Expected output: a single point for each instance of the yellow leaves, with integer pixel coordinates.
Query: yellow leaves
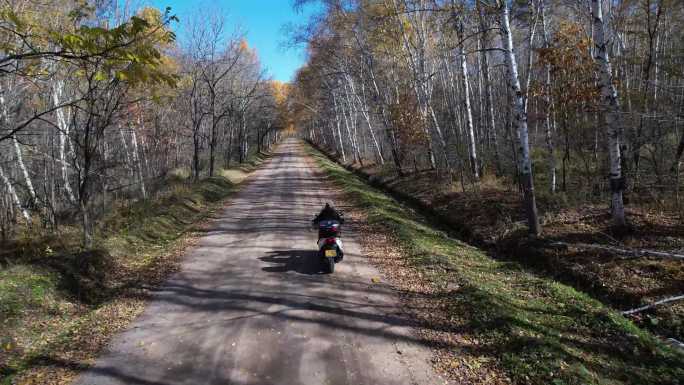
(151, 15)
(572, 67)
(132, 57)
(100, 76)
(243, 46)
(122, 76)
(72, 41)
(248, 53)
(407, 120)
(280, 91)
(129, 52)
(156, 22)
(281, 95)
(169, 64)
(8, 15)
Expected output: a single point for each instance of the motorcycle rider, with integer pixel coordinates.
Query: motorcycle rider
(329, 213)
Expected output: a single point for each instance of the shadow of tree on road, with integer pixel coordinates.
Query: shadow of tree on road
(300, 261)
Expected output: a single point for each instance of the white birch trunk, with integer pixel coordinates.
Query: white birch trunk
(24, 171)
(17, 149)
(353, 121)
(130, 166)
(533, 15)
(138, 164)
(383, 112)
(611, 115)
(339, 130)
(519, 120)
(15, 198)
(346, 116)
(63, 126)
(416, 62)
(488, 89)
(472, 149)
(547, 105)
(366, 116)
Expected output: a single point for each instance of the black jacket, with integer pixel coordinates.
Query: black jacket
(328, 214)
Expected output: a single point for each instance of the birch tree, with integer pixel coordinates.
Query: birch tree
(463, 59)
(611, 115)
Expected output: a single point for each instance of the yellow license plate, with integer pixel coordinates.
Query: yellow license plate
(331, 253)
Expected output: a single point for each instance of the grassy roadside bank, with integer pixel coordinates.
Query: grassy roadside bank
(60, 305)
(488, 216)
(496, 317)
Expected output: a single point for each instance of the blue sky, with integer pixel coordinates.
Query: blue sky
(263, 22)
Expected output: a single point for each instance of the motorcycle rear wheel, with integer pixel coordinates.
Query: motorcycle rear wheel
(330, 265)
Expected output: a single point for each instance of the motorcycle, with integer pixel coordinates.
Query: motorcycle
(329, 244)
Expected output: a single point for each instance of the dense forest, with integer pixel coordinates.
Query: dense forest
(580, 100)
(100, 102)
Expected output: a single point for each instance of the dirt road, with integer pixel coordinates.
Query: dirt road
(250, 306)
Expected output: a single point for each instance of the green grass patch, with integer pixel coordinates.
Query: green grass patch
(23, 289)
(538, 330)
(160, 221)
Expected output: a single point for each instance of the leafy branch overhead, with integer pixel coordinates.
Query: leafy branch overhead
(130, 51)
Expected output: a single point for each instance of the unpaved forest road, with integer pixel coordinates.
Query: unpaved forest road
(249, 306)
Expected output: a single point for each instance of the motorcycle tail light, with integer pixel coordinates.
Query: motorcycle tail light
(330, 241)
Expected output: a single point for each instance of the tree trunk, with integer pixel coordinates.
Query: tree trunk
(212, 149)
(244, 149)
(138, 164)
(15, 198)
(339, 130)
(366, 115)
(520, 121)
(231, 140)
(63, 126)
(416, 62)
(611, 116)
(389, 129)
(472, 150)
(488, 89)
(85, 223)
(530, 51)
(678, 155)
(195, 154)
(652, 30)
(24, 171)
(547, 105)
